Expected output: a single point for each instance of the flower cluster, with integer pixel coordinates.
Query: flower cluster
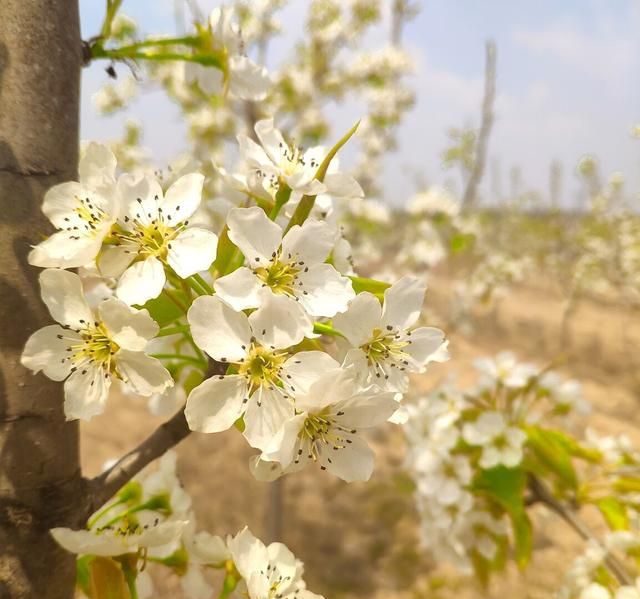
(467, 457)
(150, 521)
(304, 364)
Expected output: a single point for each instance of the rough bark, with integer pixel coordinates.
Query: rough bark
(40, 482)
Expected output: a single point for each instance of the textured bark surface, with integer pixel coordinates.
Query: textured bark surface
(40, 61)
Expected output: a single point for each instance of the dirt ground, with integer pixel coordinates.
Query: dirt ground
(360, 540)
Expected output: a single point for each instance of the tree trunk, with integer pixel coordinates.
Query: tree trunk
(40, 480)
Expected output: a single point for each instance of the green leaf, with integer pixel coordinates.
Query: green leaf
(551, 449)
(523, 537)
(506, 486)
(107, 580)
(614, 512)
(163, 310)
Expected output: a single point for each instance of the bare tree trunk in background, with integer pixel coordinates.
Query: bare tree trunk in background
(482, 142)
(40, 481)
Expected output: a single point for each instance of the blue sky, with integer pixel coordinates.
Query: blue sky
(568, 85)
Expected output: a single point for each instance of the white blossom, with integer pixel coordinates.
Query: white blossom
(82, 212)
(126, 537)
(244, 78)
(292, 265)
(500, 442)
(268, 373)
(274, 161)
(387, 347)
(89, 348)
(152, 233)
(504, 369)
(269, 572)
(333, 412)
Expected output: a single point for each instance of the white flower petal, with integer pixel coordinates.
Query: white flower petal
(426, 345)
(248, 80)
(309, 243)
(139, 197)
(97, 164)
(240, 289)
(61, 202)
(252, 153)
(182, 198)
(330, 388)
(85, 393)
(352, 463)
(86, 542)
(141, 282)
(251, 230)
(128, 327)
(62, 292)
(249, 553)
(403, 302)
(46, 350)
(162, 534)
(266, 412)
(341, 185)
(64, 249)
(192, 251)
(303, 369)
(144, 374)
(366, 411)
(283, 444)
(271, 140)
(280, 321)
(325, 292)
(218, 329)
(263, 470)
(215, 404)
(113, 260)
(362, 316)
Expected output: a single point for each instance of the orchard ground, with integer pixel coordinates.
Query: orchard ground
(360, 540)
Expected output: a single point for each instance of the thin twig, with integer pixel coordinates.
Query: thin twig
(106, 485)
(167, 435)
(543, 495)
(485, 126)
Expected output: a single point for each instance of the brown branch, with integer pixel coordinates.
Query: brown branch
(544, 496)
(104, 486)
(486, 124)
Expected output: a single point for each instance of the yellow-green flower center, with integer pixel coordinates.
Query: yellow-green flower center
(279, 276)
(385, 345)
(96, 348)
(262, 366)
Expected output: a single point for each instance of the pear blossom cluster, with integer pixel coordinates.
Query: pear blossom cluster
(150, 523)
(456, 436)
(255, 298)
